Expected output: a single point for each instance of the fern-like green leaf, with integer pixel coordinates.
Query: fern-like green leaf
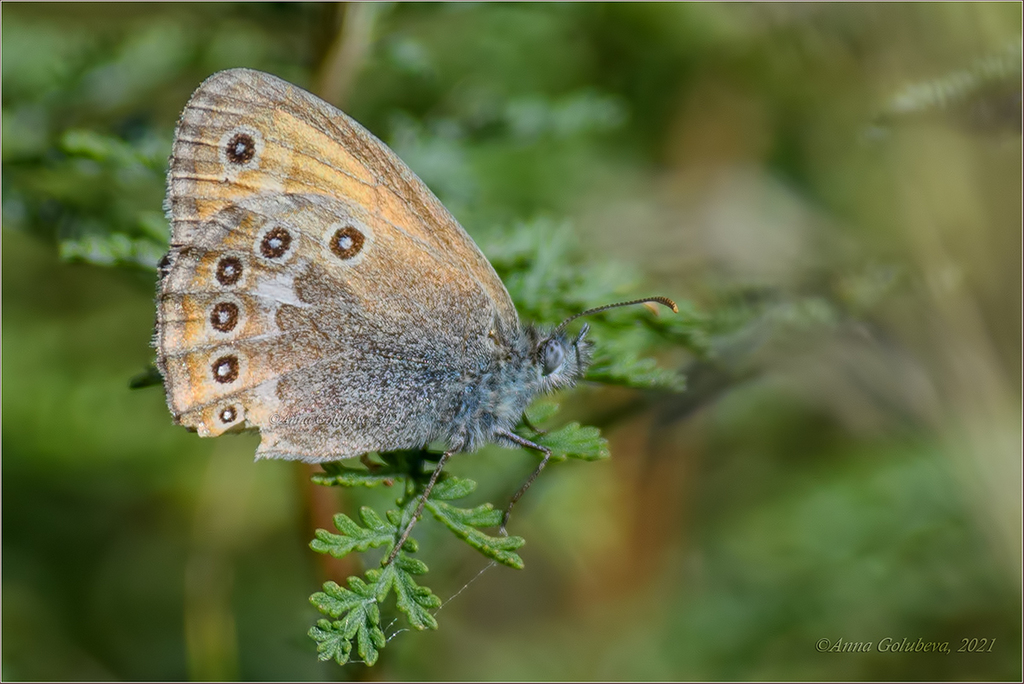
(337, 474)
(112, 249)
(449, 488)
(412, 599)
(465, 521)
(575, 441)
(376, 533)
(331, 643)
(541, 410)
(111, 150)
(360, 620)
(628, 370)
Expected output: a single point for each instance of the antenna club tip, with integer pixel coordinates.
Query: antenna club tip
(667, 302)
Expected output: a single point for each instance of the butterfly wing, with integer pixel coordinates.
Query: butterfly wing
(315, 288)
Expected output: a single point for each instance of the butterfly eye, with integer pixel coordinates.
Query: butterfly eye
(553, 355)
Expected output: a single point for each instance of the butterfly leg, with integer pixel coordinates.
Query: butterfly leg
(526, 444)
(419, 509)
(534, 428)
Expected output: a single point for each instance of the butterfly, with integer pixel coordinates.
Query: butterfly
(316, 290)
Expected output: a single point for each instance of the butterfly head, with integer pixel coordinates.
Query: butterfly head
(562, 360)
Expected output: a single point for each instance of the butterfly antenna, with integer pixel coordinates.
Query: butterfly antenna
(655, 300)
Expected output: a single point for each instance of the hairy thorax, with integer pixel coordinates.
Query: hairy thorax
(494, 395)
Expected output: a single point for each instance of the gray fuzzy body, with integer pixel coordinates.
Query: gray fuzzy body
(493, 401)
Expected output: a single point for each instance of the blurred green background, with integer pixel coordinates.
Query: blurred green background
(837, 187)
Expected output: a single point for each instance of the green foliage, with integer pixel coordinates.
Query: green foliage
(361, 622)
(358, 606)
(463, 522)
(353, 537)
(986, 94)
(568, 441)
(139, 239)
(359, 609)
(629, 369)
(337, 473)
